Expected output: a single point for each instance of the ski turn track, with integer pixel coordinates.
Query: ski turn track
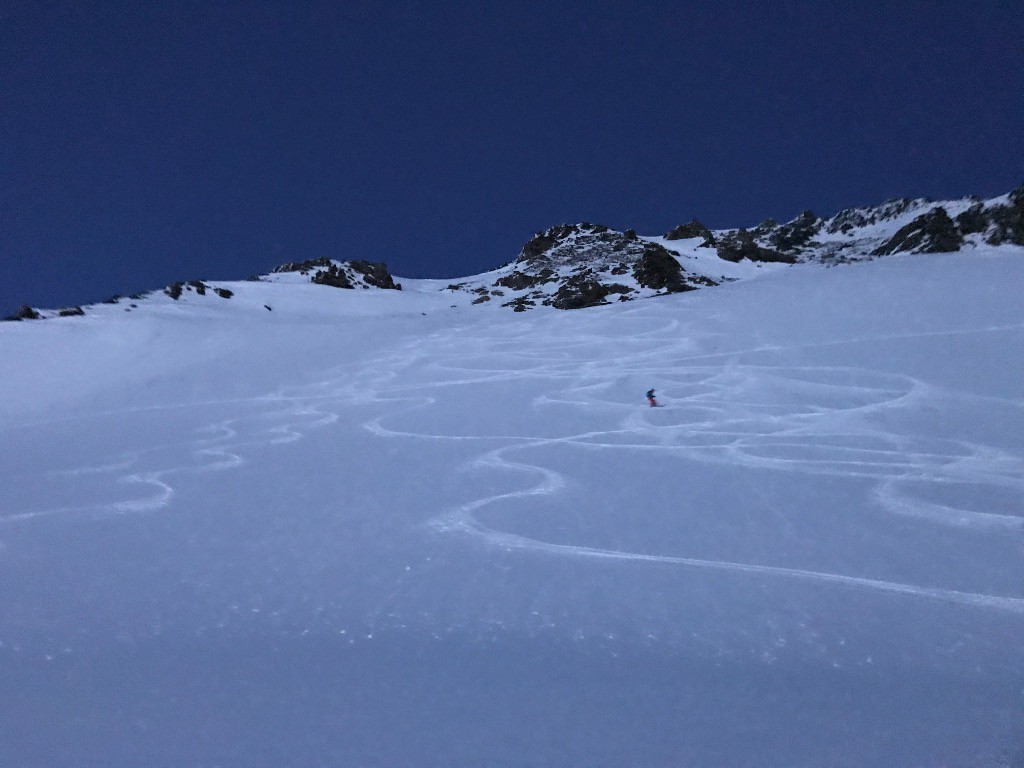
(813, 419)
(721, 410)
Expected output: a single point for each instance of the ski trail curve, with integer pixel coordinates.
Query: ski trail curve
(469, 524)
(464, 520)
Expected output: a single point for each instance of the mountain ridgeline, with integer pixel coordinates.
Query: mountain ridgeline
(572, 266)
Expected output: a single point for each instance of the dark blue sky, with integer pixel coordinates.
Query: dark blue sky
(142, 143)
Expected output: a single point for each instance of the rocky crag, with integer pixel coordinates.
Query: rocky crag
(582, 265)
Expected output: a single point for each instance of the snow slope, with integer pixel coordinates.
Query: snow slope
(371, 528)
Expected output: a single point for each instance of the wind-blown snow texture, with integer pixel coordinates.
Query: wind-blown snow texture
(316, 527)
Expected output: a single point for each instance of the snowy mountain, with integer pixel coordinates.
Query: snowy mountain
(282, 522)
(584, 265)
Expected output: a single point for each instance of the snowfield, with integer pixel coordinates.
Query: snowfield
(308, 526)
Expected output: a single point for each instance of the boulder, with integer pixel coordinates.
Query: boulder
(579, 292)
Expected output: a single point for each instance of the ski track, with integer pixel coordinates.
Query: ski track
(892, 459)
(726, 412)
(216, 447)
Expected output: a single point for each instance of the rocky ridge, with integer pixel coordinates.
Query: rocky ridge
(581, 265)
(572, 266)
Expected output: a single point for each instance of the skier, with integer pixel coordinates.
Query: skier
(650, 398)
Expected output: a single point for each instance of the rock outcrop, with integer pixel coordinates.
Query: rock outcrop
(342, 274)
(741, 245)
(858, 218)
(658, 269)
(1007, 221)
(692, 230)
(931, 232)
(572, 266)
(176, 290)
(24, 313)
(796, 234)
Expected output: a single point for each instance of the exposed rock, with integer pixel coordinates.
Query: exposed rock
(740, 245)
(482, 299)
(519, 281)
(999, 223)
(24, 313)
(72, 312)
(795, 234)
(692, 230)
(931, 232)
(852, 218)
(375, 274)
(975, 219)
(304, 266)
(349, 274)
(518, 304)
(175, 290)
(333, 275)
(579, 292)
(1008, 220)
(581, 262)
(543, 242)
(658, 269)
